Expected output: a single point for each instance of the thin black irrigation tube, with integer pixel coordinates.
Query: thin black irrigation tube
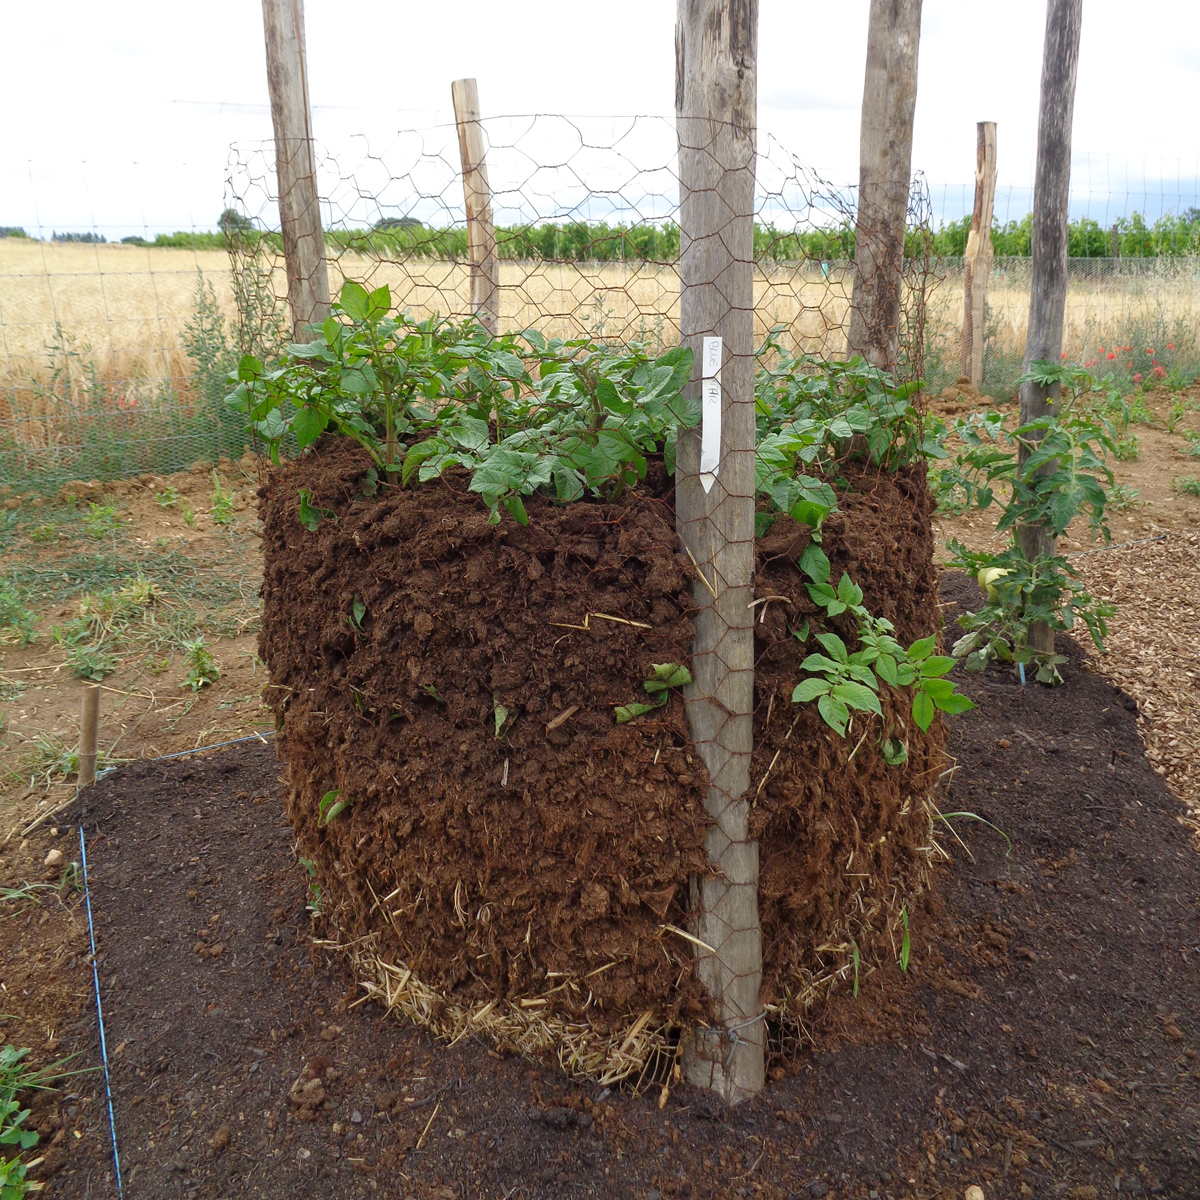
(87, 896)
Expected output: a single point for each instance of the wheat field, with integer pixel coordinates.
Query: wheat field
(124, 308)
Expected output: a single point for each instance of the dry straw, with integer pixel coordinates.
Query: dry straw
(644, 1049)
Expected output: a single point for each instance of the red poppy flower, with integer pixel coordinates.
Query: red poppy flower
(1063, 355)
(1101, 349)
(1159, 372)
(1170, 345)
(1112, 354)
(1137, 378)
(1150, 351)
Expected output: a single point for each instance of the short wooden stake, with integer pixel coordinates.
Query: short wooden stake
(977, 262)
(89, 722)
(481, 233)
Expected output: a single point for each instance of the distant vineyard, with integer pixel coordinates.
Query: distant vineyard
(577, 241)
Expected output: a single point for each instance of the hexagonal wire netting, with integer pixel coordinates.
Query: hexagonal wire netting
(588, 246)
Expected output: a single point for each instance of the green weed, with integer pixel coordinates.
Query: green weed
(202, 668)
(101, 521)
(1187, 485)
(168, 498)
(42, 534)
(663, 677)
(221, 509)
(17, 623)
(1127, 449)
(90, 662)
(1122, 497)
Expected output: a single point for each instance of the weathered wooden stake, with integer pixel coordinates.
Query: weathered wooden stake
(1048, 294)
(977, 262)
(89, 723)
(885, 161)
(716, 92)
(299, 206)
(481, 233)
(1116, 239)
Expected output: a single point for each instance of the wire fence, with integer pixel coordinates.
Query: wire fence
(114, 357)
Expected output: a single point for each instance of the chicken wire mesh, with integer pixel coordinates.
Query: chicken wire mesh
(587, 237)
(614, 243)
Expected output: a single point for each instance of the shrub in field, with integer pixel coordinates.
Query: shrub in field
(1064, 476)
(209, 344)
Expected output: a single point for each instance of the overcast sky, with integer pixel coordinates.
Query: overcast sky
(120, 115)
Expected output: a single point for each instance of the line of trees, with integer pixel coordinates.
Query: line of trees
(578, 241)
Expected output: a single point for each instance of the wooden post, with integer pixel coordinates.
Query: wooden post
(716, 93)
(977, 262)
(299, 206)
(885, 161)
(1048, 294)
(89, 723)
(1116, 239)
(481, 233)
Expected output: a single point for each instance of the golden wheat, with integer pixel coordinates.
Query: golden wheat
(125, 307)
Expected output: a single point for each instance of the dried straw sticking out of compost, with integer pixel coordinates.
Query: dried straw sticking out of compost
(645, 1047)
(1154, 651)
(530, 1026)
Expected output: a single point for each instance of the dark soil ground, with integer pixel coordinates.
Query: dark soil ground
(1043, 1042)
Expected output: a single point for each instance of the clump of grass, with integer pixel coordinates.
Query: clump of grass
(1187, 485)
(17, 623)
(1192, 448)
(16, 1077)
(1123, 497)
(221, 509)
(202, 667)
(41, 534)
(189, 516)
(100, 521)
(1128, 448)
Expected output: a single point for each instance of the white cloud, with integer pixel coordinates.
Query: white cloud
(170, 86)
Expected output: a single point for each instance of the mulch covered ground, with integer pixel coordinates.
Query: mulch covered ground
(1043, 1042)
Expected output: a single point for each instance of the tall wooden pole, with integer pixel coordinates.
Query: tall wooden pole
(1048, 296)
(299, 206)
(481, 233)
(716, 96)
(977, 262)
(885, 164)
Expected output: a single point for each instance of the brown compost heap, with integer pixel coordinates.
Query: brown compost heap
(516, 861)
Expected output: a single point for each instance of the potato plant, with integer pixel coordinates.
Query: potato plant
(520, 413)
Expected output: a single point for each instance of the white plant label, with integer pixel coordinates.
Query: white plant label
(710, 412)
